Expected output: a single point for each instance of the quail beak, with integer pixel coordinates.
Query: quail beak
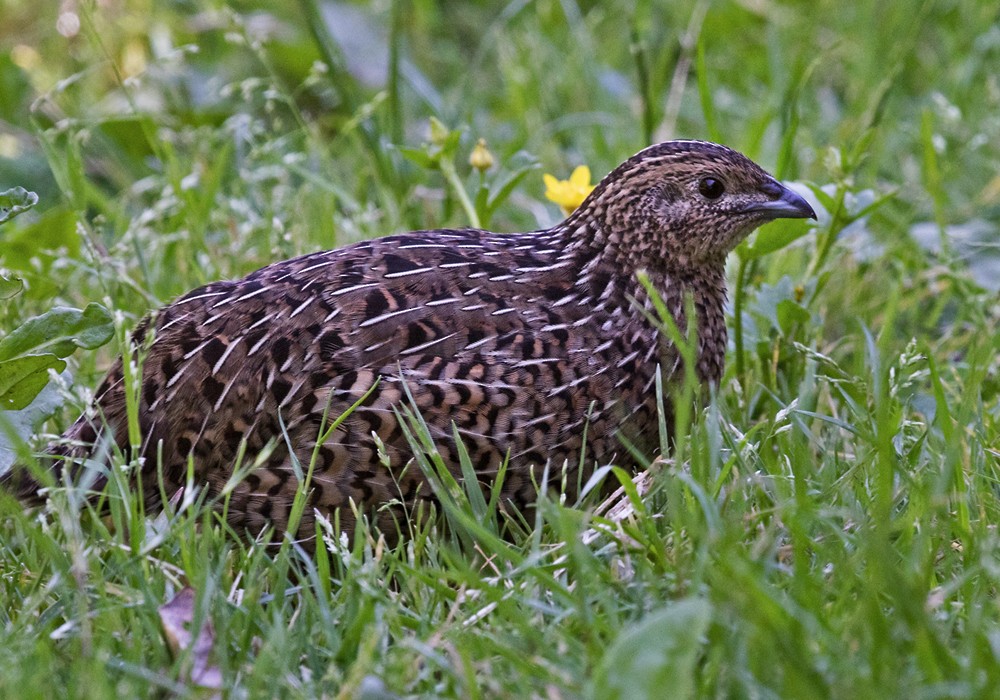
(782, 203)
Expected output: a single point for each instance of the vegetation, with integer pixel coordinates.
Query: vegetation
(826, 526)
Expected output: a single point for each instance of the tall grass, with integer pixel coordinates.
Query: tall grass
(826, 526)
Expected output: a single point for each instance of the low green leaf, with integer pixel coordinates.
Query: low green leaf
(34, 246)
(23, 378)
(450, 146)
(14, 201)
(17, 427)
(790, 313)
(768, 303)
(419, 156)
(773, 238)
(444, 139)
(10, 287)
(59, 331)
(656, 657)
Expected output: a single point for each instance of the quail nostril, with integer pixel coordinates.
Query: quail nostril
(772, 189)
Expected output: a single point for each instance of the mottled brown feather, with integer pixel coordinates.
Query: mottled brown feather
(521, 341)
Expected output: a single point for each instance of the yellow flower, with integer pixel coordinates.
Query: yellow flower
(569, 194)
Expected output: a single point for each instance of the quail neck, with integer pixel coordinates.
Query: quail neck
(535, 349)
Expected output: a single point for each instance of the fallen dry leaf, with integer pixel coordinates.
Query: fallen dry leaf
(176, 617)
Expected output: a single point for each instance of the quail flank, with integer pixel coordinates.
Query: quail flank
(524, 343)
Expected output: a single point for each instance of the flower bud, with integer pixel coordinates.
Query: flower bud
(481, 159)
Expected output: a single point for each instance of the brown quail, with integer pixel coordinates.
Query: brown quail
(524, 342)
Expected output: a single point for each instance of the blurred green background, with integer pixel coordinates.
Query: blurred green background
(836, 521)
(105, 103)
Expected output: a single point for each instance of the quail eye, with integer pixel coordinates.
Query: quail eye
(711, 188)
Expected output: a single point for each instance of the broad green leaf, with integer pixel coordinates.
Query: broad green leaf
(444, 139)
(450, 145)
(16, 90)
(59, 331)
(10, 287)
(772, 238)
(21, 379)
(17, 427)
(418, 156)
(655, 658)
(790, 313)
(772, 303)
(25, 247)
(14, 201)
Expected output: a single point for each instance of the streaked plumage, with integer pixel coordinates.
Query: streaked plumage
(520, 340)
